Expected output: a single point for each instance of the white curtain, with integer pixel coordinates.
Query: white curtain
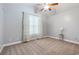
(32, 27)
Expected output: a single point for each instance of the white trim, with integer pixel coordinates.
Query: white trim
(67, 40)
(1, 49)
(13, 43)
(71, 41)
(44, 36)
(53, 37)
(9, 44)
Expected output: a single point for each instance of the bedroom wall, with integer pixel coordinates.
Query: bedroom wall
(69, 20)
(13, 21)
(1, 25)
(51, 24)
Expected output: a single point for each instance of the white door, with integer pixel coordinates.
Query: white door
(32, 27)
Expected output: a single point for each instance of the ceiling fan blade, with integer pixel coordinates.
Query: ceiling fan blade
(42, 9)
(52, 4)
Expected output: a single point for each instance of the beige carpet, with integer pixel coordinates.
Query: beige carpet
(45, 46)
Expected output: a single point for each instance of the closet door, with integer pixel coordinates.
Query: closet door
(32, 27)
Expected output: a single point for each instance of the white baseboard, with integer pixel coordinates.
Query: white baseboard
(71, 41)
(67, 40)
(53, 37)
(1, 49)
(13, 43)
(9, 44)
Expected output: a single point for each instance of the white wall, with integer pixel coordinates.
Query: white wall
(45, 24)
(69, 19)
(13, 21)
(51, 24)
(1, 25)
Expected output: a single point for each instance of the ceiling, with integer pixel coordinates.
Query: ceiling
(67, 6)
(63, 6)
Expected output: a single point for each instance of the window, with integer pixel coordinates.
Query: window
(33, 25)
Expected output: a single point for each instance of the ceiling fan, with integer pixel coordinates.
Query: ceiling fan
(46, 7)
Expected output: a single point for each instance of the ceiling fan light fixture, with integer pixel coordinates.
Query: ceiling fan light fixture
(50, 6)
(46, 7)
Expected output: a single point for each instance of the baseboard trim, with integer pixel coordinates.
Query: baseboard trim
(53, 37)
(9, 44)
(1, 49)
(67, 40)
(71, 41)
(13, 43)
